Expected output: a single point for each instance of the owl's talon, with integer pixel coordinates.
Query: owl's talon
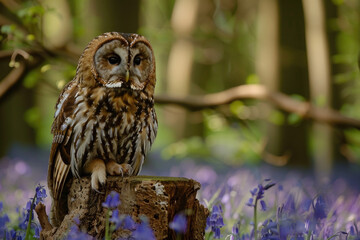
(113, 168)
(99, 192)
(98, 177)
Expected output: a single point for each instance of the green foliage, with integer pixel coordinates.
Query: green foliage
(277, 117)
(224, 41)
(31, 78)
(31, 13)
(294, 119)
(223, 141)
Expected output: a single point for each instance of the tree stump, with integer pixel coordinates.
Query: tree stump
(158, 198)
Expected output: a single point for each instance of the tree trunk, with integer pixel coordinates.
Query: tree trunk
(320, 82)
(158, 198)
(284, 59)
(180, 63)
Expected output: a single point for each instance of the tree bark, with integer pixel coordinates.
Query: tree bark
(180, 63)
(285, 138)
(158, 198)
(320, 82)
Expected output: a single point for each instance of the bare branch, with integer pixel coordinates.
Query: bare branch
(257, 91)
(6, 53)
(12, 78)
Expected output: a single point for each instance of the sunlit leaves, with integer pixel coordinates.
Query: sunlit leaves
(277, 117)
(31, 78)
(8, 29)
(31, 12)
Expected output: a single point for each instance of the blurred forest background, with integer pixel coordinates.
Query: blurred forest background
(238, 81)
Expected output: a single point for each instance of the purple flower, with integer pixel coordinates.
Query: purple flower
(143, 232)
(112, 200)
(3, 221)
(258, 194)
(26, 214)
(319, 208)
(215, 221)
(179, 223)
(263, 205)
(291, 227)
(253, 192)
(250, 202)
(269, 230)
(40, 194)
(12, 234)
(235, 232)
(289, 206)
(37, 232)
(76, 234)
(128, 223)
(115, 219)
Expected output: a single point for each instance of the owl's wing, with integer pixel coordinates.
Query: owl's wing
(60, 150)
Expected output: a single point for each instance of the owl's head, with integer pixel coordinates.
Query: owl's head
(119, 61)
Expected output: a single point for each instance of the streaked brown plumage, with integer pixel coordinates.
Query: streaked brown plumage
(105, 121)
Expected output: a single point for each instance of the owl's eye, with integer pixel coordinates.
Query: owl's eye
(137, 60)
(114, 60)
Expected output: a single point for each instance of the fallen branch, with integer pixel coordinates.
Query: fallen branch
(257, 91)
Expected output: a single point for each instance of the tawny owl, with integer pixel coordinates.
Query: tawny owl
(105, 121)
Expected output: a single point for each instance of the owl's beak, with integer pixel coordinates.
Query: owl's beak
(127, 76)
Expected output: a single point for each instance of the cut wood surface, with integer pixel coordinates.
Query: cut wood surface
(158, 198)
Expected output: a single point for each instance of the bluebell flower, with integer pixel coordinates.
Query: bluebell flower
(235, 232)
(40, 194)
(115, 219)
(37, 232)
(258, 194)
(245, 237)
(129, 223)
(263, 205)
(215, 221)
(305, 205)
(352, 231)
(112, 200)
(26, 215)
(143, 232)
(289, 206)
(269, 230)
(319, 208)
(9, 234)
(76, 234)
(291, 227)
(23, 219)
(179, 223)
(253, 192)
(4, 219)
(250, 202)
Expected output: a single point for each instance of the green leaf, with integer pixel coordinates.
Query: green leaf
(236, 107)
(294, 119)
(252, 79)
(31, 79)
(277, 118)
(8, 29)
(298, 97)
(32, 117)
